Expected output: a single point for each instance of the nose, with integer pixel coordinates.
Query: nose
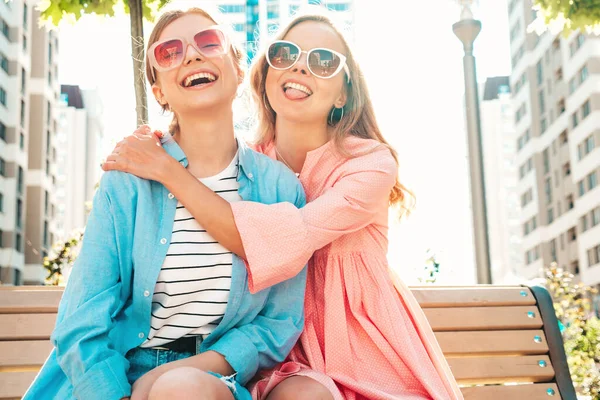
(191, 55)
(301, 65)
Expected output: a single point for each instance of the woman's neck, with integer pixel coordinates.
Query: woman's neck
(208, 141)
(293, 140)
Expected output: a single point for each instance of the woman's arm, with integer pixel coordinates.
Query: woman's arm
(91, 299)
(276, 240)
(141, 155)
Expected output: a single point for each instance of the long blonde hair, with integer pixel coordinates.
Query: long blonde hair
(359, 116)
(162, 22)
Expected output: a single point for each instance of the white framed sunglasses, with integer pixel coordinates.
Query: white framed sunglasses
(321, 62)
(170, 53)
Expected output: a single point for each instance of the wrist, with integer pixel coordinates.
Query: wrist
(166, 169)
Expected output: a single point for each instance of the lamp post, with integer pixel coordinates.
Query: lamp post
(467, 30)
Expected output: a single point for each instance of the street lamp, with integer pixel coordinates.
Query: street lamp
(467, 30)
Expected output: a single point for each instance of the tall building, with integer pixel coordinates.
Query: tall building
(79, 137)
(501, 178)
(28, 91)
(556, 96)
(253, 20)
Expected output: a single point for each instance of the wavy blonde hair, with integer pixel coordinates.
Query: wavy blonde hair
(359, 117)
(162, 22)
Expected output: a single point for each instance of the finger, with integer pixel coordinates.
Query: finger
(144, 129)
(159, 134)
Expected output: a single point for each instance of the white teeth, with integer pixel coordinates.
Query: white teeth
(188, 81)
(297, 86)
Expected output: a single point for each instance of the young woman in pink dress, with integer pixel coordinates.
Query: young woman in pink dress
(365, 336)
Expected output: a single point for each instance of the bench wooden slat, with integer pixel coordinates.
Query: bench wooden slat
(537, 391)
(26, 326)
(29, 301)
(24, 353)
(483, 318)
(493, 370)
(481, 343)
(472, 297)
(14, 384)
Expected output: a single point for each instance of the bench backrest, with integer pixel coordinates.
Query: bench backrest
(490, 335)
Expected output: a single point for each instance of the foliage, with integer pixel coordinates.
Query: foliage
(63, 254)
(431, 269)
(580, 329)
(570, 15)
(54, 11)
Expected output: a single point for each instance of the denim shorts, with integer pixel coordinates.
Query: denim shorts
(142, 360)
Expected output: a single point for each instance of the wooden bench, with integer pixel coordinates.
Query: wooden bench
(501, 342)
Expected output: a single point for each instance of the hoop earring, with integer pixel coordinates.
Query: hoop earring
(331, 115)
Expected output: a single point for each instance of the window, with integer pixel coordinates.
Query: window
(593, 255)
(24, 43)
(20, 180)
(539, 73)
(49, 114)
(572, 86)
(583, 74)
(45, 235)
(47, 167)
(24, 15)
(19, 216)
(546, 158)
(515, 30)
(586, 147)
(523, 139)
(50, 53)
(550, 216)
(563, 138)
(542, 102)
(581, 186)
(572, 234)
(543, 125)
(5, 29)
(548, 190)
(232, 9)
(558, 75)
(530, 226)
(553, 249)
(22, 113)
(585, 109)
(592, 180)
(46, 201)
(2, 131)
(2, 96)
(1, 202)
(561, 106)
(4, 62)
(521, 112)
(595, 216)
(526, 197)
(574, 120)
(22, 141)
(575, 267)
(532, 255)
(584, 223)
(566, 169)
(2, 167)
(18, 241)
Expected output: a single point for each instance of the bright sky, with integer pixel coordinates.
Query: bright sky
(413, 65)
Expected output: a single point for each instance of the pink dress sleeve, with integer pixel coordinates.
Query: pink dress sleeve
(279, 239)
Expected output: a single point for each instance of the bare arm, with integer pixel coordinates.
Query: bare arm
(208, 208)
(142, 155)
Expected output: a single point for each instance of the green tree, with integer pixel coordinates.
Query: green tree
(53, 12)
(570, 15)
(580, 329)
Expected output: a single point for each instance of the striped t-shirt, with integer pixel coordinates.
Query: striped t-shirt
(192, 289)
